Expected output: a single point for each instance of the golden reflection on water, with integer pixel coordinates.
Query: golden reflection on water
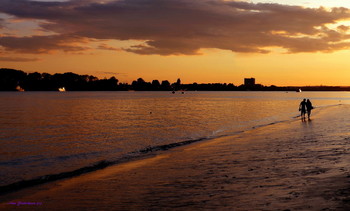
(49, 132)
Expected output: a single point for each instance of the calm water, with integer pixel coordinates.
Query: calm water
(44, 133)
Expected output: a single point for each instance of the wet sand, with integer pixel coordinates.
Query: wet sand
(291, 165)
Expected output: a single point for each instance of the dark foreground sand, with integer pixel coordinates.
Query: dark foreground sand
(286, 166)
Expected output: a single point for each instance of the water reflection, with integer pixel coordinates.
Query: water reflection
(49, 132)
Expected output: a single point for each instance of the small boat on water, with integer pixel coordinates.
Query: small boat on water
(299, 90)
(62, 89)
(20, 89)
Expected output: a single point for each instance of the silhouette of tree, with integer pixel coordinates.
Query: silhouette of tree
(33, 82)
(155, 85)
(165, 86)
(92, 78)
(110, 84)
(124, 87)
(141, 85)
(10, 79)
(177, 85)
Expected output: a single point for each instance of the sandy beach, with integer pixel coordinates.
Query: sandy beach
(292, 165)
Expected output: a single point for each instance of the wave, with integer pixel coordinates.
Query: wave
(97, 166)
(169, 146)
(53, 177)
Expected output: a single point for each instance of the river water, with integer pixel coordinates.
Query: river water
(47, 133)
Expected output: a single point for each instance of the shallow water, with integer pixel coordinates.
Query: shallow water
(44, 133)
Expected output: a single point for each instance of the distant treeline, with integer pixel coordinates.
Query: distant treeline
(17, 80)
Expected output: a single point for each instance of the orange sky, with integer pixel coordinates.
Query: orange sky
(197, 41)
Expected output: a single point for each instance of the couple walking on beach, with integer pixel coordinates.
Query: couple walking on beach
(305, 106)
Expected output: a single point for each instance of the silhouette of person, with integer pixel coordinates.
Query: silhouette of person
(309, 107)
(302, 109)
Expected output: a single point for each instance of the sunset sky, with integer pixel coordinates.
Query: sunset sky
(285, 42)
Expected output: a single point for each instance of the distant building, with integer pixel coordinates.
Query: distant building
(249, 82)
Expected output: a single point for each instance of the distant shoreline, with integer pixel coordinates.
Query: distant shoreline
(278, 89)
(17, 80)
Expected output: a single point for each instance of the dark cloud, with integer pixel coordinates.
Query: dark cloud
(180, 26)
(18, 59)
(112, 73)
(43, 44)
(343, 28)
(2, 23)
(108, 48)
